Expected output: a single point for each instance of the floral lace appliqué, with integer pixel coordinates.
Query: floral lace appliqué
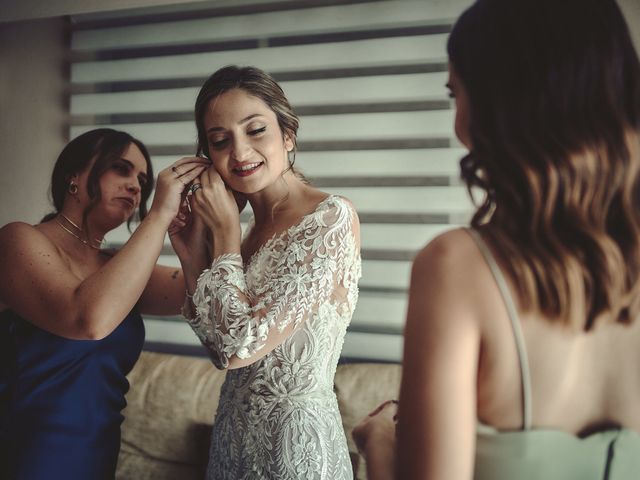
(278, 417)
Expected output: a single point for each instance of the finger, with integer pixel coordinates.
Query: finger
(213, 175)
(176, 226)
(195, 199)
(179, 224)
(198, 209)
(180, 217)
(204, 179)
(206, 176)
(188, 177)
(185, 204)
(200, 206)
(197, 220)
(196, 160)
(179, 168)
(380, 407)
(185, 169)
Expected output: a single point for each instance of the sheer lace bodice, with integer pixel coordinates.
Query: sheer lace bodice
(278, 417)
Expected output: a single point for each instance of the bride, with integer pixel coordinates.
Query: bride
(274, 306)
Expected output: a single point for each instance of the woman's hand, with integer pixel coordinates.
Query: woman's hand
(172, 182)
(378, 425)
(216, 204)
(187, 233)
(375, 437)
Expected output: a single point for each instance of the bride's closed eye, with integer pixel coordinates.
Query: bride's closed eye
(218, 143)
(257, 131)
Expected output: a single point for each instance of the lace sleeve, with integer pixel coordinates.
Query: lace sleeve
(316, 266)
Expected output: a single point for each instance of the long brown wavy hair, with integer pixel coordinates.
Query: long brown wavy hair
(554, 93)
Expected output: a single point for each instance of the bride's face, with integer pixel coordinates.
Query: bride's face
(245, 142)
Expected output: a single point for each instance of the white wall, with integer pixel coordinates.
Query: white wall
(34, 114)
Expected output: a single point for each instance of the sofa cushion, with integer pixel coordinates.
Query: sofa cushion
(169, 413)
(173, 399)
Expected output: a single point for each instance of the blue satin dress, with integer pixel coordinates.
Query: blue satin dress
(61, 400)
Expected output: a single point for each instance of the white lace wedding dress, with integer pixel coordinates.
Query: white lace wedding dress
(278, 418)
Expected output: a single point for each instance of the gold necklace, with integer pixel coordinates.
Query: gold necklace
(95, 243)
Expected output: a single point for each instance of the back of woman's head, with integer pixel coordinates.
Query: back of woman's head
(554, 99)
(253, 81)
(96, 150)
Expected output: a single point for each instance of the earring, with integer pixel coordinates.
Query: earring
(73, 188)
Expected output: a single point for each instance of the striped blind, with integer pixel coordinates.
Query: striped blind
(367, 80)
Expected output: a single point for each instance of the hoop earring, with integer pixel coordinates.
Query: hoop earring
(73, 188)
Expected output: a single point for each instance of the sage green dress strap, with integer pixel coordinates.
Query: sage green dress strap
(545, 454)
(515, 325)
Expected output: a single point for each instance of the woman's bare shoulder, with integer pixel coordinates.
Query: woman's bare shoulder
(17, 226)
(451, 272)
(21, 230)
(20, 240)
(452, 249)
(23, 246)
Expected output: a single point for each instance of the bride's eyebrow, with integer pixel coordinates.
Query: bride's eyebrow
(244, 120)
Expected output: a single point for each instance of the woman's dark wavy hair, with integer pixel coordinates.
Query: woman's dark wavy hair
(255, 82)
(554, 94)
(96, 149)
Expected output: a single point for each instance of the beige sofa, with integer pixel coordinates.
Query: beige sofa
(173, 399)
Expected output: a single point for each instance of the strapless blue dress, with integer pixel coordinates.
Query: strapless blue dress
(61, 400)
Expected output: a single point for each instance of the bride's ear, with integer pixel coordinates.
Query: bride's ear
(289, 143)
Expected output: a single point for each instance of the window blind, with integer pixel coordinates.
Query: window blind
(367, 80)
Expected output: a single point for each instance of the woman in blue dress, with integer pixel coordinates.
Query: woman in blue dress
(70, 324)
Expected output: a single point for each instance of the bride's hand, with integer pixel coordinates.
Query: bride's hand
(187, 233)
(215, 203)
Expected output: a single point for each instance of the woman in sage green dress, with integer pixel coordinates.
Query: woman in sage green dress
(522, 341)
